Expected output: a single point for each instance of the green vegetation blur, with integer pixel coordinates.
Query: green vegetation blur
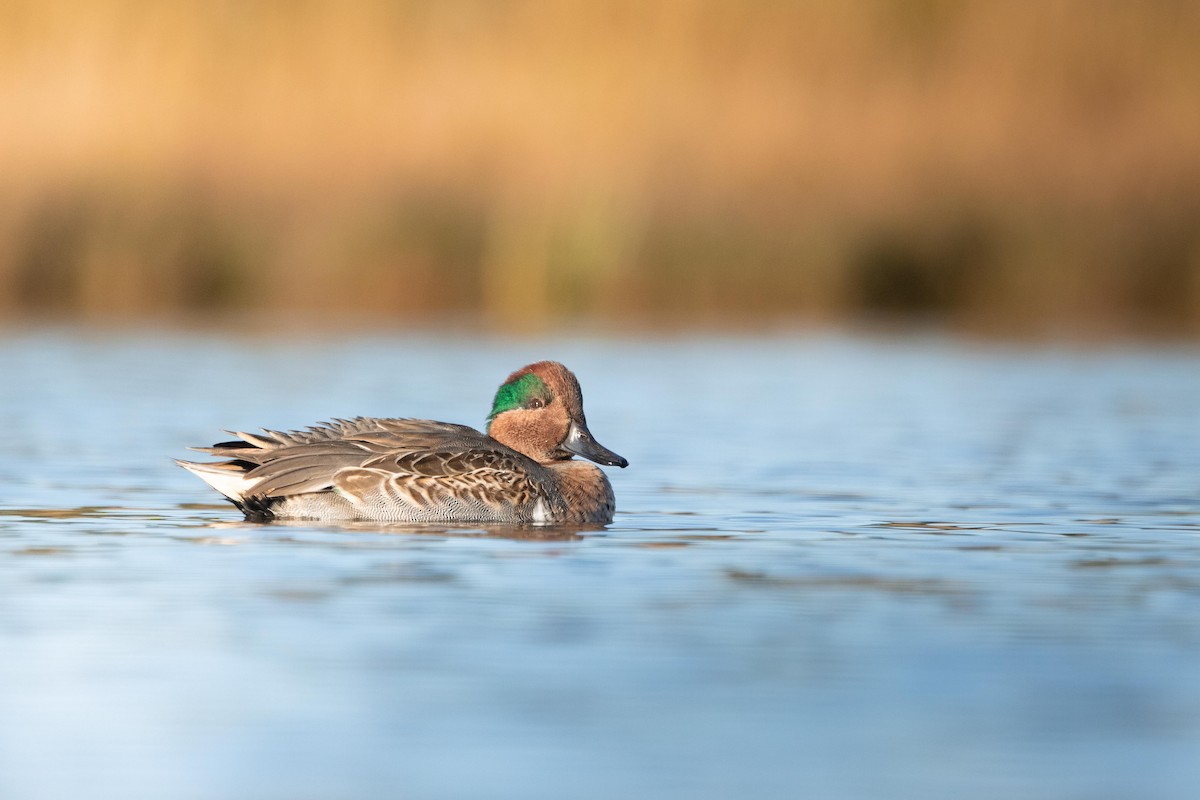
(1015, 166)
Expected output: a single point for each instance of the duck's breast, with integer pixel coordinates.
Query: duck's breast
(583, 493)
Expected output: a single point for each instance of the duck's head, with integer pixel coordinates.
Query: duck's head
(538, 411)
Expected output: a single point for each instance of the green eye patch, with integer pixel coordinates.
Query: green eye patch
(518, 393)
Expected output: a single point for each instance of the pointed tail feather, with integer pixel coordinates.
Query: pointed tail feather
(227, 478)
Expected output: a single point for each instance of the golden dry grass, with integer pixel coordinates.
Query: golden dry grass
(1000, 164)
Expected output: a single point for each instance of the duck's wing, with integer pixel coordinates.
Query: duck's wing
(371, 461)
(480, 483)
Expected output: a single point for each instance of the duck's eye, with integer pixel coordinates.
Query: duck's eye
(536, 402)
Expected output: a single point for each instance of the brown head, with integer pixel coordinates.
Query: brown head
(538, 411)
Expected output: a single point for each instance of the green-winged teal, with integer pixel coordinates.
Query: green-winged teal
(410, 470)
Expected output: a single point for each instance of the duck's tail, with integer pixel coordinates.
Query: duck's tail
(227, 477)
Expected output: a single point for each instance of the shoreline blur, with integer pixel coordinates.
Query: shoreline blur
(1027, 169)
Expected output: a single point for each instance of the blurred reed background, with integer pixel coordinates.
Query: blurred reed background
(1023, 166)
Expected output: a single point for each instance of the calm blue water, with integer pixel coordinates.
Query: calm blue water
(841, 568)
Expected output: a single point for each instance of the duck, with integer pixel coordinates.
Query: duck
(521, 471)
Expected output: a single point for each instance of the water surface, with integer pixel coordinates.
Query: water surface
(841, 568)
